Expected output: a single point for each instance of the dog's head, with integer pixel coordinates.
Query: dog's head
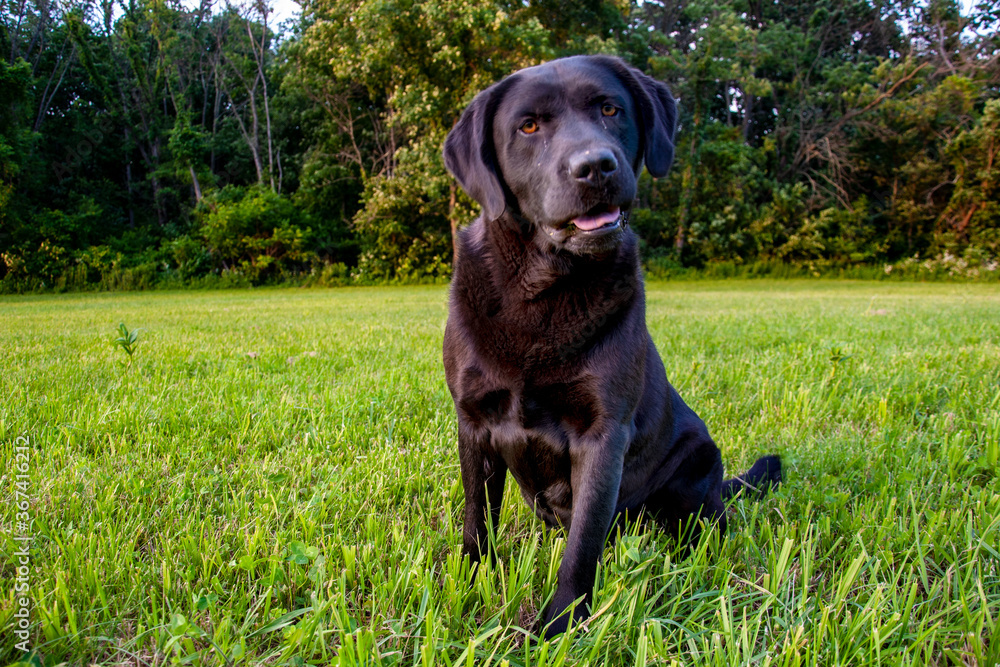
(561, 146)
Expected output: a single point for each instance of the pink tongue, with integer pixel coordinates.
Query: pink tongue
(589, 223)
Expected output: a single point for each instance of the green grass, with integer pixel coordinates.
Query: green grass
(273, 478)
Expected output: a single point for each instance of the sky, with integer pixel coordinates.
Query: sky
(286, 9)
(283, 9)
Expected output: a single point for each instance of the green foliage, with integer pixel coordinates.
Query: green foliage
(189, 256)
(15, 142)
(414, 79)
(818, 134)
(813, 134)
(15, 84)
(252, 230)
(972, 216)
(399, 237)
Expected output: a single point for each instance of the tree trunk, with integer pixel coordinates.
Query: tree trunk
(687, 192)
(260, 55)
(161, 215)
(128, 186)
(195, 184)
(747, 116)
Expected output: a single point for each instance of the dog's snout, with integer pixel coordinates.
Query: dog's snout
(593, 166)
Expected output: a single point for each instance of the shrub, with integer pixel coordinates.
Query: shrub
(254, 230)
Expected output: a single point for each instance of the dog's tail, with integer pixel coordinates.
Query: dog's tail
(764, 475)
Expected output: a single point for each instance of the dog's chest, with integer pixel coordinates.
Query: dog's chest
(532, 426)
(534, 440)
(549, 404)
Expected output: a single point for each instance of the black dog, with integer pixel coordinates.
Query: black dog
(553, 372)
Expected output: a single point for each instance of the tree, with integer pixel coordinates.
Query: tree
(393, 78)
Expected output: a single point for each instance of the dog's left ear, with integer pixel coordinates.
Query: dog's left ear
(468, 152)
(657, 112)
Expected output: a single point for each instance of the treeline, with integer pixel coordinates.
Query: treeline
(147, 142)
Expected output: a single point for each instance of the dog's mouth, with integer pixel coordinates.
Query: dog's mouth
(601, 217)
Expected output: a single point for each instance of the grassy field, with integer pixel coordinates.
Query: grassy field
(274, 478)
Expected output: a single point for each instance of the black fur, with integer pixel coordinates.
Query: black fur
(553, 372)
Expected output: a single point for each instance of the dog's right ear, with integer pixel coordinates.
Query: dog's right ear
(470, 156)
(659, 114)
(657, 111)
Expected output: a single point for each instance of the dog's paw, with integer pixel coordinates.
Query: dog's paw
(557, 622)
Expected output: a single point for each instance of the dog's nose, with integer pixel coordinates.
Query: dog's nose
(592, 166)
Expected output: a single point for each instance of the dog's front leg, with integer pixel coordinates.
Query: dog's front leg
(596, 476)
(483, 475)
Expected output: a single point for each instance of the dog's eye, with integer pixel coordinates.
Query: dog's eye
(529, 127)
(609, 110)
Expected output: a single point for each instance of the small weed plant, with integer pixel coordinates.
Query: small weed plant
(127, 342)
